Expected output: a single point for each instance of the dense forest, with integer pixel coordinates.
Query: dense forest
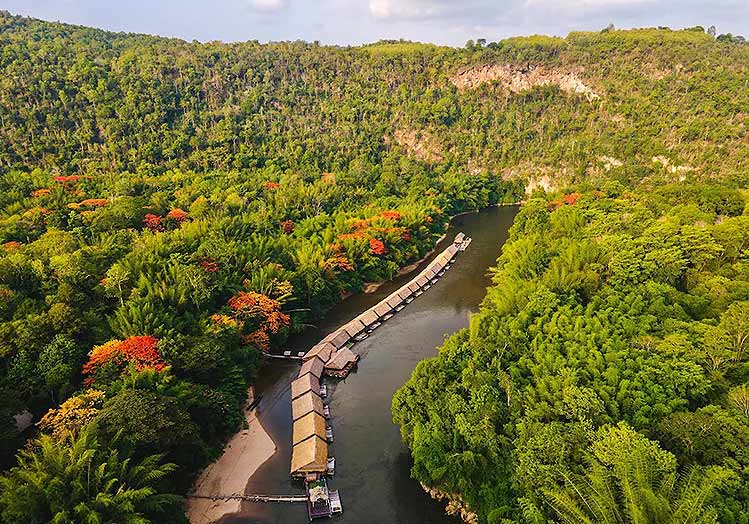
(169, 211)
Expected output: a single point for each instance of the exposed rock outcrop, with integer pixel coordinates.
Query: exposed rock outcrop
(418, 144)
(456, 506)
(518, 79)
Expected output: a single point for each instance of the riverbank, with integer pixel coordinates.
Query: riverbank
(243, 455)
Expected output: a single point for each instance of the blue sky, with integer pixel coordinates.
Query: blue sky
(449, 22)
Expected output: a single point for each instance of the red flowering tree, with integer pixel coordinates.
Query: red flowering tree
(153, 222)
(572, 198)
(377, 247)
(109, 360)
(270, 186)
(287, 226)
(258, 317)
(177, 215)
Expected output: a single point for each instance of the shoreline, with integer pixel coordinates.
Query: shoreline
(244, 453)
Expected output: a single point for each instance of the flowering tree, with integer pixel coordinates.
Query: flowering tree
(114, 356)
(72, 414)
(377, 247)
(258, 316)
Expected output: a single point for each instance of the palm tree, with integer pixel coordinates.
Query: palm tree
(635, 491)
(76, 481)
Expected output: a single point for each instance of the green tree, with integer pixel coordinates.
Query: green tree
(77, 481)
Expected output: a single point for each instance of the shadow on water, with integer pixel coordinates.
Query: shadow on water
(372, 464)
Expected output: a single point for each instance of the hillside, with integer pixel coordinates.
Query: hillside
(170, 210)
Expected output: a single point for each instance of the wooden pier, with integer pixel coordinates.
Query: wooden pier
(253, 498)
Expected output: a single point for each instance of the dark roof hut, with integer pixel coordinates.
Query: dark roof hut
(313, 366)
(323, 350)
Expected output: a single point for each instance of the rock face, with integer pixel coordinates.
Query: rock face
(517, 79)
(456, 506)
(418, 144)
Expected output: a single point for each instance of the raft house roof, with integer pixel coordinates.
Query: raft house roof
(452, 250)
(404, 293)
(383, 308)
(338, 338)
(430, 273)
(354, 327)
(309, 456)
(422, 281)
(369, 317)
(343, 358)
(394, 301)
(305, 384)
(310, 425)
(322, 350)
(310, 402)
(459, 237)
(413, 287)
(313, 366)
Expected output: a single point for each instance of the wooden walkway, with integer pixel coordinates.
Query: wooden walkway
(253, 498)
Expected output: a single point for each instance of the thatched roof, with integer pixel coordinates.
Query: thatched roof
(305, 384)
(341, 359)
(323, 350)
(368, 317)
(383, 308)
(430, 274)
(422, 281)
(452, 250)
(310, 425)
(413, 287)
(459, 237)
(404, 293)
(308, 403)
(354, 327)
(394, 300)
(313, 366)
(309, 456)
(338, 338)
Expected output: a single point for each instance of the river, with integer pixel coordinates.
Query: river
(372, 463)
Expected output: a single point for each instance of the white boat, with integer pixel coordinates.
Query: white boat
(331, 466)
(323, 391)
(329, 433)
(336, 508)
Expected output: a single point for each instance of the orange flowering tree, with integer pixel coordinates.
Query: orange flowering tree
(377, 247)
(108, 361)
(258, 317)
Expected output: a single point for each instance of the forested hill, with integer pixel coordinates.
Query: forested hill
(171, 210)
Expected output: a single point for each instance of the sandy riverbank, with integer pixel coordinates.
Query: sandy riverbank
(243, 455)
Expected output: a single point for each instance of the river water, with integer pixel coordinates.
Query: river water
(372, 463)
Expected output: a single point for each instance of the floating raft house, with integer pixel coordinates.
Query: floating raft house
(332, 357)
(306, 384)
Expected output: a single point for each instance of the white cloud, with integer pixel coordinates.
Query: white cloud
(268, 5)
(410, 8)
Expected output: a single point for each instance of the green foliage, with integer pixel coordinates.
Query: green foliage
(80, 481)
(612, 309)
